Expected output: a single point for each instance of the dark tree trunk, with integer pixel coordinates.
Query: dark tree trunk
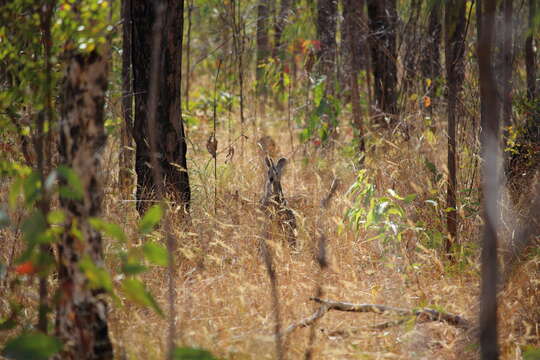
(353, 35)
(431, 58)
(81, 317)
(530, 59)
(326, 33)
(171, 147)
(382, 25)
(263, 48)
(411, 47)
(353, 15)
(125, 163)
(508, 56)
(489, 143)
(279, 49)
(454, 50)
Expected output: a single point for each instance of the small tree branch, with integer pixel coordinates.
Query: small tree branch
(424, 314)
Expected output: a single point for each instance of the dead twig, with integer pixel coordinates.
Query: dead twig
(422, 315)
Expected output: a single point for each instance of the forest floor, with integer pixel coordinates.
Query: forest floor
(224, 296)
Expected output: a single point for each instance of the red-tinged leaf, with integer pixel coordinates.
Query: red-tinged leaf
(26, 268)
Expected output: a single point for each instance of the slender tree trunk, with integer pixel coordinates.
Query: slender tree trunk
(171, 147)
(327, 55)
(81, 320)
(326, 33)
(508, 56)
(489, 143)
(411, 47)
(431, 61)
(125, 162)
(43, 150)
(279, 48)
(263, 50)
(530, 59)
(188, 54)
(382, 25)
(353, 14)
(454, 50)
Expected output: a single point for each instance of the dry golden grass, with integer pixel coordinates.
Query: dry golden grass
(223, 299)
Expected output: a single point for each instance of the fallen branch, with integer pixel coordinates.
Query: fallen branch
(423, 315)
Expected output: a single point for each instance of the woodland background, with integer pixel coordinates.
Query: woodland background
(134, 157)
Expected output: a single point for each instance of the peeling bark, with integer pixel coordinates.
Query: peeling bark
(81, 321)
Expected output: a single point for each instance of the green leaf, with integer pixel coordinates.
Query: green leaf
(32, 188)
(132, 268)
(531, 353)
(34, 229)
(396, 210)
(110, 229)
(56, 217)
(11, 321)
(156, 253)
(136, 292)
(187, 353)
(98, 277)
(14, 192)
(150, 219)
(32, 346)
(74, 190)
(409, 198)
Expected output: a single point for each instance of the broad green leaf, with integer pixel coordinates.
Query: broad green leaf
(56, 217)
(14, 192)
(32, 188)
(531, 353)
(136, 291)
(11, 321)
(132, 268)
(75, 189)
(34, 229)
(409, 198)
(396, 210)
(156, 253)
(98, 277)
(187, 353)
(32, 346)
(150, 219)
(110, 229)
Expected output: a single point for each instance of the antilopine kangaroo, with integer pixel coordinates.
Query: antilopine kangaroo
(273, 201)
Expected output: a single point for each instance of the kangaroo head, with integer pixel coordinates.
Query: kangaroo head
(273, 191)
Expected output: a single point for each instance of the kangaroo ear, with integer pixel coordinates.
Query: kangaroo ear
(268, 162)
(280, 165)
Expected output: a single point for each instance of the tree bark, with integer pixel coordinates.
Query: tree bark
(454, 50)
(326, 33)
(125, 163)
(263, 49)
(353, 14)
(411, 47)
(431, 60)
(530, 61)
(171, 148)
(508, 56)
(279, 48)
(382, 25)
(489, 139)
(81, 321)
